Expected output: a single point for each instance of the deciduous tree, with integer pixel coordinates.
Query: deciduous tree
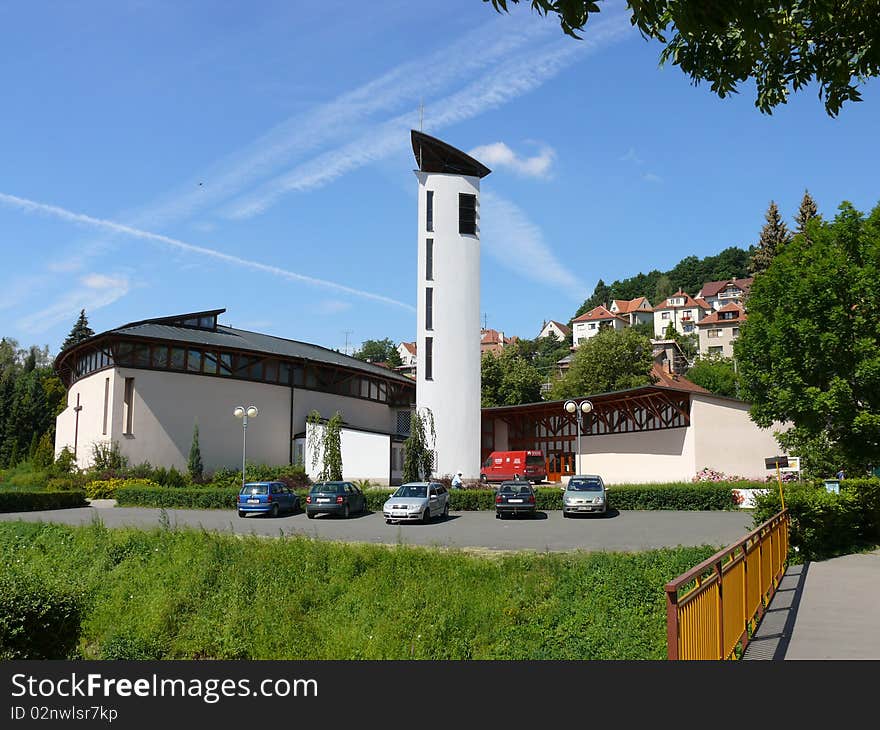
(611, 360)
(781, 46)
(379, 351)
(809, 353)
(716, 374)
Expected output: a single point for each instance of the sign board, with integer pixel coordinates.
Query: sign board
(832, 486)
(773, 461)
(794, 464)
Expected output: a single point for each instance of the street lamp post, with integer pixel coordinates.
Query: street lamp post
(572, 406)
(244, 413)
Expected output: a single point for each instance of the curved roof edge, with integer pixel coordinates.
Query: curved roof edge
(434, 155)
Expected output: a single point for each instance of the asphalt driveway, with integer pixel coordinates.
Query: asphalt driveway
(626, 531)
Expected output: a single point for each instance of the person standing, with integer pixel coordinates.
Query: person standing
(456, 481)
(841, 474)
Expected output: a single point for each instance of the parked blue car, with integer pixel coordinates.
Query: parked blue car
(267, 498)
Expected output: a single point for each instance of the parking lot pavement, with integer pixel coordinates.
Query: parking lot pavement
(626, 531)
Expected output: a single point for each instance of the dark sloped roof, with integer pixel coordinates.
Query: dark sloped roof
(434, 155)
(163, 328)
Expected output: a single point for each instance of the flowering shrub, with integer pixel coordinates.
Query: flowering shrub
(106, 488)
(710, 475)
(788, 476)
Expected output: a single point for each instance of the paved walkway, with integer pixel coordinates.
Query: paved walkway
(823, 610)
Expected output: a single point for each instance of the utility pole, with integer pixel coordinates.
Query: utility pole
(484, 320)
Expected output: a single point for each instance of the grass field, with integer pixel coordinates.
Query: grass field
(190, 594)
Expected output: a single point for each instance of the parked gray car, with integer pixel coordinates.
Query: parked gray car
(417, 502)
(584, 493)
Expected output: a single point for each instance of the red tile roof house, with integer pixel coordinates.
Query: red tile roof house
(635, 311)
(682, 311)
(719, 330)
(552, 327)
(719, 293)
(494, 341)
(589, 324)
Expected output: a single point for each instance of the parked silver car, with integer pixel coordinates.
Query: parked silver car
(417, 501)
(584, 493)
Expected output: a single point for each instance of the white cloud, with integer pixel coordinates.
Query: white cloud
(32, 206)
(652, 178)
(494, 89)
(333, 122)
(94, 291)
(510, 237)
(498, 154)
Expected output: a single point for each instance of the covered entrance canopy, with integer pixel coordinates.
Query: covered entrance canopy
(549, 427)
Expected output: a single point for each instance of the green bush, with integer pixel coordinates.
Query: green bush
(37, 621)
(67, 482)
(823, 524)
(183, 497)
(30, 501)
(293, 475)
(130, 648)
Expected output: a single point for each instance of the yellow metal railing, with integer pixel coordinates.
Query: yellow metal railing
(711, 609)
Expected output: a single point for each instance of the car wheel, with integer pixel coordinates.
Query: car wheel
(446, 511)
(483, 479)
(345, 512)
(564, 514)
(275, 510)
(426, 517)
(241, 514)
(310, 515)
(387, 522)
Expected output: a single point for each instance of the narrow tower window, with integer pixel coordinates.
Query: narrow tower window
(467, 213)
(429, 308)
(430, 212)
(106, 401)
(128, 406)
(429, 358)
(429, 259)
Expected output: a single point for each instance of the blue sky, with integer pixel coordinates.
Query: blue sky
(160, 157)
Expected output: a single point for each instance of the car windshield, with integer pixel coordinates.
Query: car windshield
(412, 491)
(254, 489)
(328, 488)
(515, 489)
(535, 460)
(584, 486)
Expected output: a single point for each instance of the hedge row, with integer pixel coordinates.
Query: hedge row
(30, 501)
(684, 496)
(824, 524)
(192, 497)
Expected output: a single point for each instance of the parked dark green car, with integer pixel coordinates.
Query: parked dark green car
(335, 498)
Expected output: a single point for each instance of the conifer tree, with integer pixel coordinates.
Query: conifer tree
(774, 235)
(806, 212)
(194, 465)
(81, 331)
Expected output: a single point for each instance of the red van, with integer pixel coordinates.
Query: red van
(504, 465)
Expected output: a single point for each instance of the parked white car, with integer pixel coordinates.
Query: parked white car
(584, 493)
(417, 502)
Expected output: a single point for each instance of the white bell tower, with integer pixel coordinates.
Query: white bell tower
(448, 283)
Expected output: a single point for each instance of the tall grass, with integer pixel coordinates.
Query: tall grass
(188, 594)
